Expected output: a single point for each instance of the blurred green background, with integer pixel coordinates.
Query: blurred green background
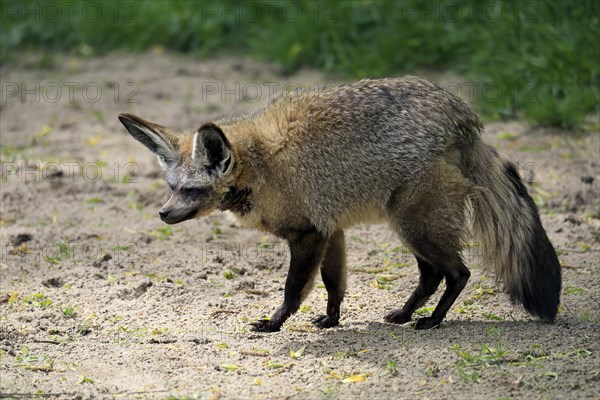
(536, 60)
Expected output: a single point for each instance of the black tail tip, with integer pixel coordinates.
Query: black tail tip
(540, 300)
(541, 286)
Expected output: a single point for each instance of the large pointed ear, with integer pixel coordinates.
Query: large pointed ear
(212, 149)
(153, 136)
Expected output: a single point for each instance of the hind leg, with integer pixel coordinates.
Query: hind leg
(435, 261)
(430, 219)
(428, 283)
(456, 276)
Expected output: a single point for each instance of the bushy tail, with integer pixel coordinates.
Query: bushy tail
(513, 241)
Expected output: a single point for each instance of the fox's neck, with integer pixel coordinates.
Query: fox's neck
(237, 200)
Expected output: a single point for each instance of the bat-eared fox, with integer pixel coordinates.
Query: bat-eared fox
(400, 150)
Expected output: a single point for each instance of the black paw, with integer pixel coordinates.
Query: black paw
(397, 317)
(427, 323)
(265, 325)
(325, 321)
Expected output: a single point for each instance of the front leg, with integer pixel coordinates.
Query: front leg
(306, 251)
(333, 272)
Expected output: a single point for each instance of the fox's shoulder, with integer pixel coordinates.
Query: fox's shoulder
(272, 126)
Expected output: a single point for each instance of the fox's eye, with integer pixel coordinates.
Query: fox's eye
(193, 192)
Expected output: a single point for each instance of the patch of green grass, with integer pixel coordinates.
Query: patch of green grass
(163, 233)
(480, 292)
(217, 232)
(25, 359)
(433, 370)
(551, 375)
(274, 365)
(506, 135)
(391, 367)
(493, 330)
(128, 178)
(582, 353)
(470, 363)
(384, 281)
(85, 379)
(230, 367)
(228, 274)
(544, 68)
(115, 319)
(358, 239)
(493, 316)
(51, 259)
(531, 149)
(156, 186)
(159, 331)
(583, 246)
(486, 356)
(136, 206)
(68, 311)
(95, 200)
(13, 297)
(57, 257)
(178, 281)
(573, 290)
(466, 376)
(346, 354)
(38, 300)
(587, 316)
(532, 357)
(424, 311)
(465, 309)
(65, 251)
(329, 393)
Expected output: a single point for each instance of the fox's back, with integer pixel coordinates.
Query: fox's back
(343, 150)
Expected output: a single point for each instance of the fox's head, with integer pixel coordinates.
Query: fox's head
(198, 168)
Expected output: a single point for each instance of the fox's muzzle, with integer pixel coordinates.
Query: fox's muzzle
(174, 211)
(173, 217)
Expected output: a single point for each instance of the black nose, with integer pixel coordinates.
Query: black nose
(163, 214)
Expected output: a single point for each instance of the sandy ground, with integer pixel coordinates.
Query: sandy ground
(100, 299)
